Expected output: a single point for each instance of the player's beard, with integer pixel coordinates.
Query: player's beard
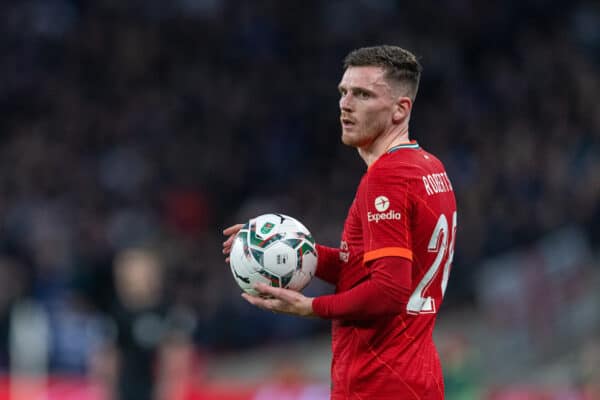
(348, 138)
(360, 135)
(354, 135)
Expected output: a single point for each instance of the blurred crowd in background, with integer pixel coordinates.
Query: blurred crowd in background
(133, 132)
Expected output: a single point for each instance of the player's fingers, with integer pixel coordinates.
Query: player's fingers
(249, 299)
(288, 296)
(266, 289)
(256, 301)
(229, 241)
(285, 295)
(233, 229)
(227, 260)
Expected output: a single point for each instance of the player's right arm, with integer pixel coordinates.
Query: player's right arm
(328, 264)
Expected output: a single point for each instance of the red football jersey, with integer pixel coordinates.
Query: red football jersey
(404, 207)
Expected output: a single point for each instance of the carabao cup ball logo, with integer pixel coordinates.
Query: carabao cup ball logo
(382, 203)
(266, 228)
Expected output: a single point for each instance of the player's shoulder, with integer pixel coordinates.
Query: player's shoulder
(414, 169)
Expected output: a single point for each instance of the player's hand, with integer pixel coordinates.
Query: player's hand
(230, 233)
(280, 300)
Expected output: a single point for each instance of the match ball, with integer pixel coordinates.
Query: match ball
(274, 249)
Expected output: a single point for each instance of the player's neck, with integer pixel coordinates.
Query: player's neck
(383, 143)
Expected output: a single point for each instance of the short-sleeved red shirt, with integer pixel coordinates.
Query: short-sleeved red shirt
(404, 207)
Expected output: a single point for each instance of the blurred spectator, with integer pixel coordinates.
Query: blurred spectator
(462, 380)
(144, 322)
(589, 372)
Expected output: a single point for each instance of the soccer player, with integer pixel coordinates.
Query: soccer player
(393, 263)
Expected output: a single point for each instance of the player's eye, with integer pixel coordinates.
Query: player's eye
(361, 94)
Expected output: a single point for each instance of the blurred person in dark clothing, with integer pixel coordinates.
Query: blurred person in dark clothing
(12, 289)
(144, 322)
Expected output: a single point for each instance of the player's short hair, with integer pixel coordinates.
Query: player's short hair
(400, 65)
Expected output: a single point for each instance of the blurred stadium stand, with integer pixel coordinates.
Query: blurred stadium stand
(151, 125)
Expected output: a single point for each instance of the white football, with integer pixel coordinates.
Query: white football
(274, 249)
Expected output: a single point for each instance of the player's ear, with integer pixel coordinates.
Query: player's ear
(402, 109)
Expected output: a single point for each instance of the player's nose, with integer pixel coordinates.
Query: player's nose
(345, 104)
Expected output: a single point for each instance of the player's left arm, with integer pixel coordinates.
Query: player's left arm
(385, 209)
(385, 293)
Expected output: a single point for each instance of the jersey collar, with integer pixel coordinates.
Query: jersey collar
(410, 145)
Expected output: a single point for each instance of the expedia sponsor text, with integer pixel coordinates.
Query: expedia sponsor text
(390, 215)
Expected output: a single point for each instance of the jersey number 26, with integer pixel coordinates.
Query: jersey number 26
(419, 302)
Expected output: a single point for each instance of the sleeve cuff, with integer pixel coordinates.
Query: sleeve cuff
(319, 306)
